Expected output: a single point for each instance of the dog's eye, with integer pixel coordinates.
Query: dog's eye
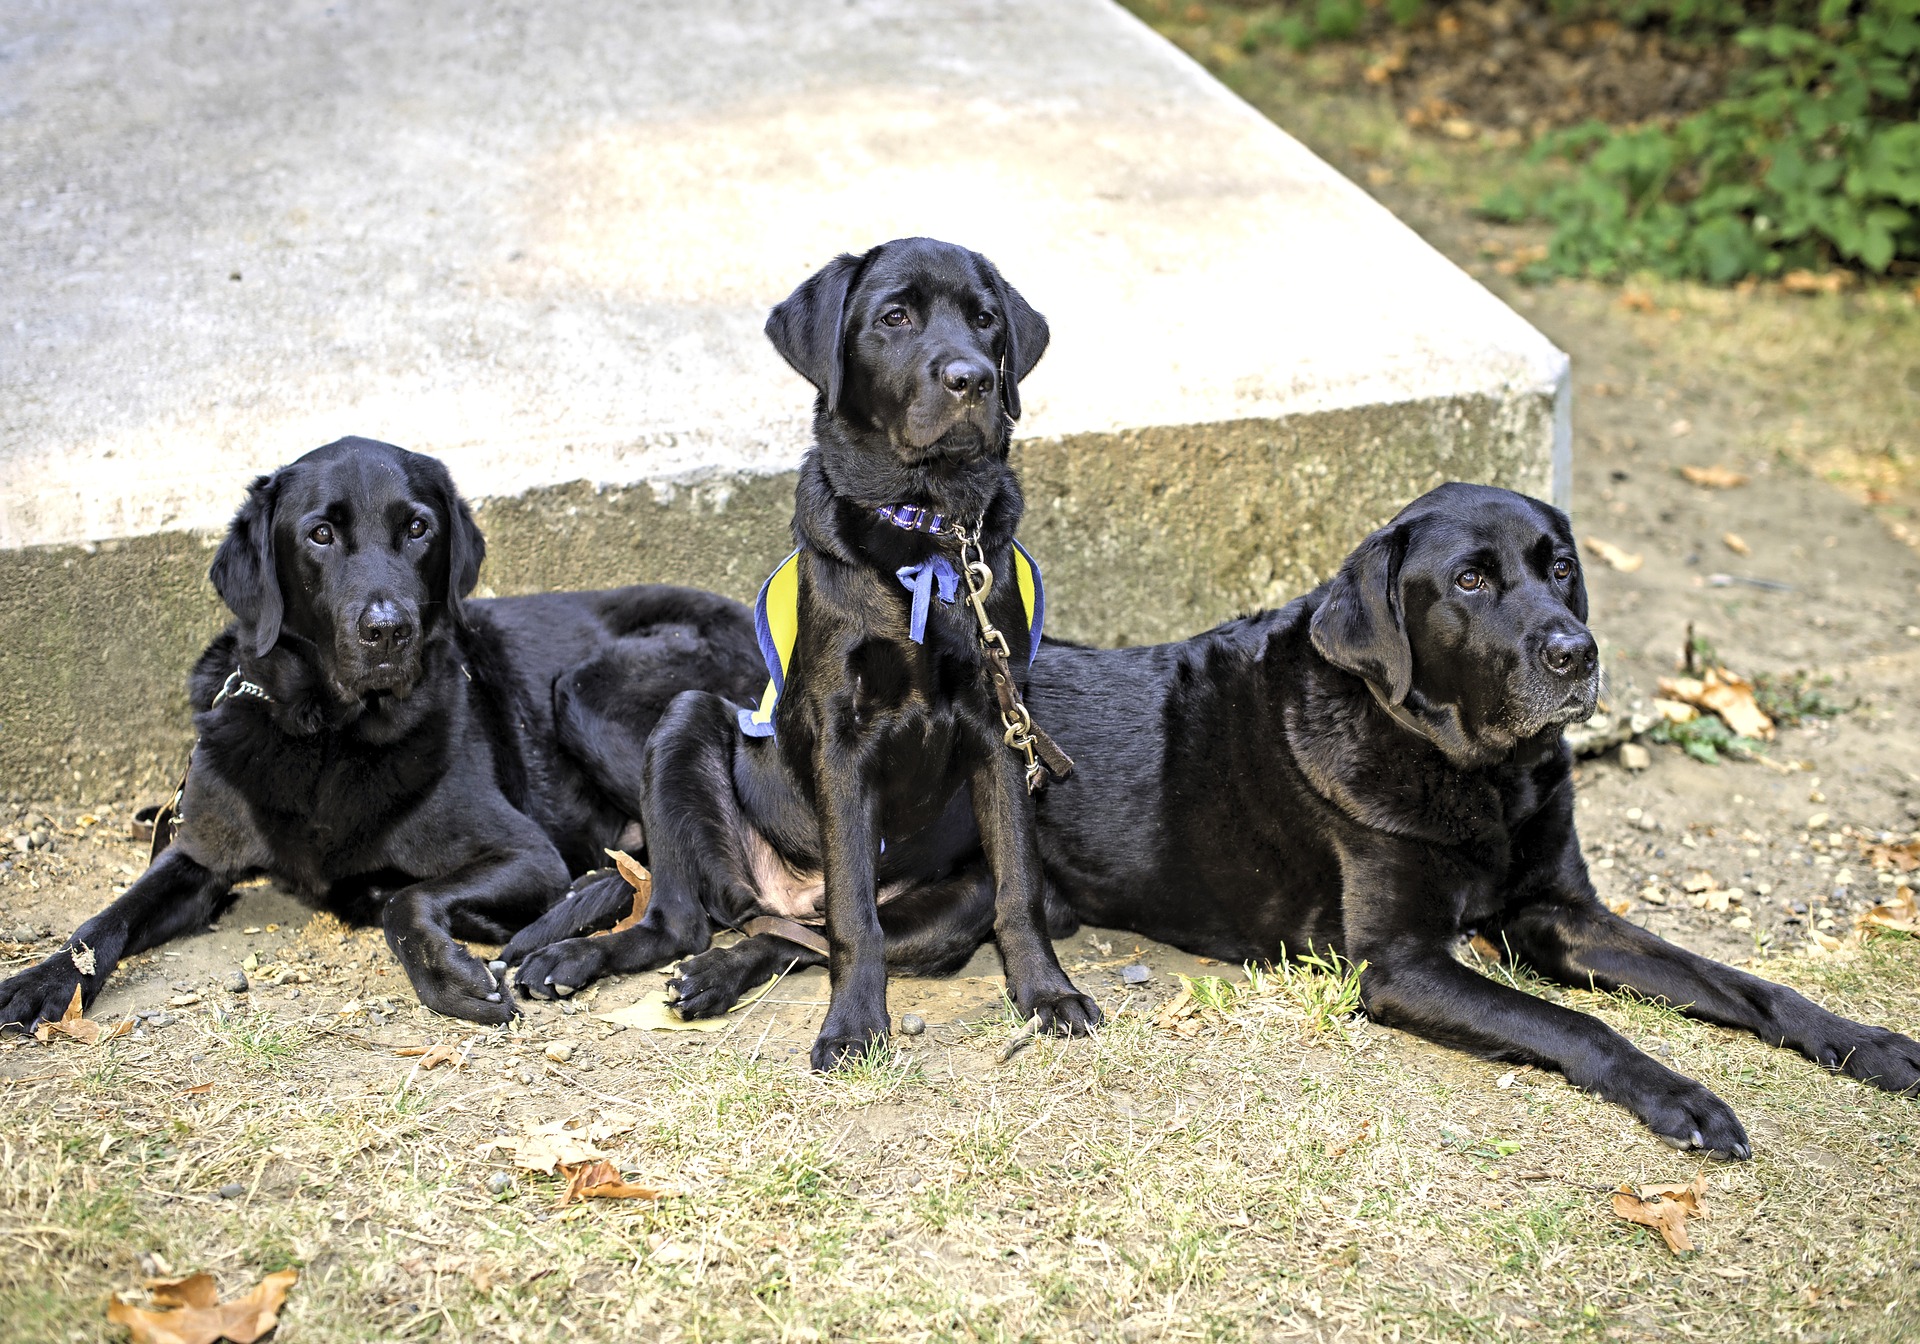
(1563, 569)
(983, 320)
(1470, 580)
(417, 528)
(321, 535)
(895, 317)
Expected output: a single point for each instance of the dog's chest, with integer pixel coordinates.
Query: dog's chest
(324, 806)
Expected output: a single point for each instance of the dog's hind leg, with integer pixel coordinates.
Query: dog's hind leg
(173, 897)
(695, 853)
(933, 930)
(596, 901)
(1580, 942)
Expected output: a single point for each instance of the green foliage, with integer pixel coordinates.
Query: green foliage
(1791, 698)
(1704, 738)
(1812, 159)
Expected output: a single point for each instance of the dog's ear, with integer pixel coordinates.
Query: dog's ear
(466, 544)
(1360, 626)
(244, 572)
(1027, 337)
(809, 326)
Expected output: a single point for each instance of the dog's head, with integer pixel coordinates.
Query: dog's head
(361, 553)
(917, 340)
(1468, 609)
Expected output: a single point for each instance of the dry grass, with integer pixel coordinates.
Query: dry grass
(1251, 1167)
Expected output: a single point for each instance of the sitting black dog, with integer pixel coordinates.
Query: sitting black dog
(1377, 769)
(389, 748)
(882, 742)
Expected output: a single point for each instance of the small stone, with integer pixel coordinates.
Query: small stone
(1646, 821)
(237, 983)
(560, 1052)
(161, 1019)
(912, 1024)
(1817, 820)
(183, 1000)
(1136, 974)
(23, 933)
(1633, 756)
(23, 843)
(231, 1190)
(499, 1183)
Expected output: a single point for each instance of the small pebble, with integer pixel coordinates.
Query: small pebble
(162, 1019)
(912, 1024)
(499, 1183)
(237, 983)
(23, 934)
(232, 1190)
(1136, 975)
(560, 1052)
(1633, 756)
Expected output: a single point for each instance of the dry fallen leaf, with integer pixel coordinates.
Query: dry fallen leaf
(1892, 858)
(1715, 477)
(1736, 543)
(654, 1012)
(428, 1055)
(602, 1180)
(1623, 560)
(1898, 914)
(197, 1315)
(1665, 1208)
(557, 1144)
(74, 1025)
(1727, 694)
(642, 883)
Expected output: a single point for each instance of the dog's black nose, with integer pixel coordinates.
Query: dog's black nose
(967, 379)
(1569, 654)
(383, 626)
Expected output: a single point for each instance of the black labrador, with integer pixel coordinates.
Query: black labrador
(1377, 770)
(390, 748)
(887, 776)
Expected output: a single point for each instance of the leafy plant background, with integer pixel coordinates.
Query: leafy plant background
(1807, 159)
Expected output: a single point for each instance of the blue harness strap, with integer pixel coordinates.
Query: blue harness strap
(776, 612)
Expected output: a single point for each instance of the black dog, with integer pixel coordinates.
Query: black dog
(890, 745)
(1377, 769)
(390, 749)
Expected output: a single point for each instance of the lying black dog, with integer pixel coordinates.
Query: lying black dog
(891, 745)
(1377, 770)
(390, 749)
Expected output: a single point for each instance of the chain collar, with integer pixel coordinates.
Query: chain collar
(237, 685)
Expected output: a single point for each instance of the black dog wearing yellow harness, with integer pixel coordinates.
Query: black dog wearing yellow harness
(881, 788)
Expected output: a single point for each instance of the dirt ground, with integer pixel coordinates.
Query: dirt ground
(1241, 1164)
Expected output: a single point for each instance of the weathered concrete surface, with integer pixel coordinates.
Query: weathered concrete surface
(540, 241)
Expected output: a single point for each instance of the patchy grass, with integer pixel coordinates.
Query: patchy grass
(1279, 1169)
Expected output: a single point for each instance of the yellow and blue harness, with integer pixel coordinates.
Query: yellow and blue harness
(776, 612)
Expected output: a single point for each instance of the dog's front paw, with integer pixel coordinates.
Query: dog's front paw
(1681, 1112)
(558, 969)
(706, 985)
(1065, 1012)
(38, 994)
(1874, 1055)
(461, 985)
(849, 1035)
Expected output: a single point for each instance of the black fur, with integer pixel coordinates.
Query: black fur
(409, 769)
(888, 766)
(1377, 770)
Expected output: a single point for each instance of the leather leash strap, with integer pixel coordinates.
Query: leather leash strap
(791, 930)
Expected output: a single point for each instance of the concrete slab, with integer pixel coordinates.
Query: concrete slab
(539, 241)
